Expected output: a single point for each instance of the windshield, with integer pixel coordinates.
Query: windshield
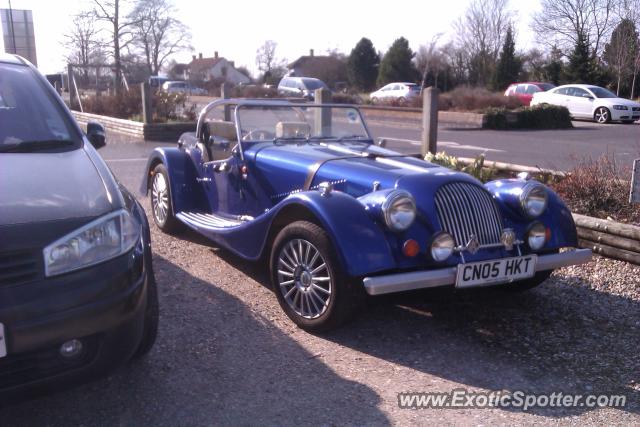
(312, 84)
(545, 86)
(600, 92)
(298, 124)
(29, 116)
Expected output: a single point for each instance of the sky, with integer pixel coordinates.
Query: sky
(237, 30)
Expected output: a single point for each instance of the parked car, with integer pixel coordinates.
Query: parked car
(524, 91)
(77, 290)
(399, 92)
(300, 87)
(156, 82)
(590, 102)
(183, 87)
(339, 217)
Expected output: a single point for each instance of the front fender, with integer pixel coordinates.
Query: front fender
(186, 193)
(361, 245)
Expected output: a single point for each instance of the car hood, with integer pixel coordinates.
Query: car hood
(620, 101)
(288, 168)
(38, 187)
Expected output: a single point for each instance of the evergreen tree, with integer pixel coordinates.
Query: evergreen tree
(581, 66)
(509, 65)
(397, 65)
(362, 65)
(554, 69)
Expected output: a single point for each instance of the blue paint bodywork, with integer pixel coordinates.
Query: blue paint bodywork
(274, 184)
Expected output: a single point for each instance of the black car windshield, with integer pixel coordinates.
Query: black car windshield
(30, 119)
(299, 124)
(313, 84)
(600, 92)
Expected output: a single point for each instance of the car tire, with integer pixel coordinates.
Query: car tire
(314, 303)
(374, 100)
(161, 202)
(151, 320)
(525, 285)
(402, 101)
(602, 115)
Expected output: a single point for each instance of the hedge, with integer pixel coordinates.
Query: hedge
(538, 117)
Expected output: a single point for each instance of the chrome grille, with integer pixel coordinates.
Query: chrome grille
(636, 108)
(19, 267)
(466, 209)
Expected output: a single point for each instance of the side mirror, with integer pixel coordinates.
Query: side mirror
(96, 135)
(381, 142)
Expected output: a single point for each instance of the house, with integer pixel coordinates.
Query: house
(216, 68)
(330, 69)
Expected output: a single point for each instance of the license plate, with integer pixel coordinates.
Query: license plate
(3, 343)
(496, 271)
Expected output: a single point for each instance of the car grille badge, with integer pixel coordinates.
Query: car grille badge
(473, 245)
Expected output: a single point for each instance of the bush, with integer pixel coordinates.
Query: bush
(538, 117)
(599, 188)
(476, 100)
(128, 105)
(345, 98)
(254, 91)
(476, 169)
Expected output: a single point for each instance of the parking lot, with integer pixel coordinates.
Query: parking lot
(226, 354)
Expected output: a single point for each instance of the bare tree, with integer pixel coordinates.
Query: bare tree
(480, 33)
(111, 13)
(568, 20)
(428, 59)
(83, 43)
(267, 61)
(156, 33)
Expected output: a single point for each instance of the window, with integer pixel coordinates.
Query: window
(578, 92)
(562, 91)
(531, 89)
(521, 89)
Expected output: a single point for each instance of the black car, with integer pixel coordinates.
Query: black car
(77, 290)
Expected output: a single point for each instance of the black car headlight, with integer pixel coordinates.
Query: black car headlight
(399, 210)
(102, 239)
(533, 199)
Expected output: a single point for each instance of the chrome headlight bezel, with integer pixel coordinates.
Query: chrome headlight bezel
(399, 220)
(534, 199)
(100, 240)
(446, 245)
(536, 236)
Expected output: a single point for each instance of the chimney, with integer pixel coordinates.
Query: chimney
(310, 52)
(193, 57)
(215, 54)
(233, 64)
(200, 55)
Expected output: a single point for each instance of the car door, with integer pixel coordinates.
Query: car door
(558, 97)
(581, 103)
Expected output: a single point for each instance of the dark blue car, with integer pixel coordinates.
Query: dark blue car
(338, 217)
(77, 291)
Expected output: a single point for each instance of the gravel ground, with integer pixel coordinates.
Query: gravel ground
(227, 355)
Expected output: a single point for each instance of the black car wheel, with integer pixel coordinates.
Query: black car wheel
(309, 283)
(602, 115)
(151, 319)
(161, 204)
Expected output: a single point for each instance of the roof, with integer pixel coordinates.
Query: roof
(312, 60)
(10, 58)
(205, 62)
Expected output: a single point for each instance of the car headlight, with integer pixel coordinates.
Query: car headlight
(620, 107)
(105, 238)
(533, 199)
(442, 247)
(537, 236)
(399, 210)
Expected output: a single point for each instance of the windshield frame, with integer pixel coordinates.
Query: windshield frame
(76, 136)
(239, 105)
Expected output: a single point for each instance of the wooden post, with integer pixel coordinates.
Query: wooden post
(430, 121)
(224, 94)
(147, 111)
(72, 92)
(322, 115)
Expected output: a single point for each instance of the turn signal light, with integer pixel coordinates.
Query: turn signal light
(411, 248)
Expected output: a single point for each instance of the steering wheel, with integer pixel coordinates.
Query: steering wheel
(258, 134)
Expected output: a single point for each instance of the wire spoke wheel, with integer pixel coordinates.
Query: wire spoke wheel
(160, 198)
(303, 278)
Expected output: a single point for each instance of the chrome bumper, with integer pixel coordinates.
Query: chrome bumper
(447, 276)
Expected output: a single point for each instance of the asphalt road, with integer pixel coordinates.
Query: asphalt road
(227, 355)
(549, 149)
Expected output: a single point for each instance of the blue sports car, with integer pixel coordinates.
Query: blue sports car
(304, 187)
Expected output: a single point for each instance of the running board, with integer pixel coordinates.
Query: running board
(199, 220)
